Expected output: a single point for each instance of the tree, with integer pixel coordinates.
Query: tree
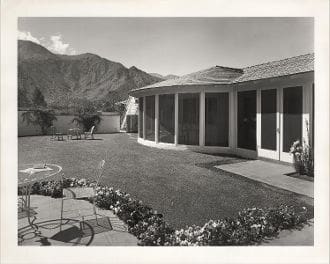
(42, 118)
(87, 120)
(85, 114)
(38, 99)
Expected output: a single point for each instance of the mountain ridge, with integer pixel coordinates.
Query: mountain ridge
(165, 77)
(64, 78)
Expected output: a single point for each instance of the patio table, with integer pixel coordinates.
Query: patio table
(74, 132)
(28, 174)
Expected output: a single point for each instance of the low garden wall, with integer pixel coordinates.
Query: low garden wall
(110, 123)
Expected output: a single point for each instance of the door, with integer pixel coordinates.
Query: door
(279, 121)
(291, 120)
(268, 119)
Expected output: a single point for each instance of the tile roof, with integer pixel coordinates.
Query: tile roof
(225, 75)
(294, 65)
(214, 75)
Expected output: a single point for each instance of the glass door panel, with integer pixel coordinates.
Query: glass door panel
(268, 119)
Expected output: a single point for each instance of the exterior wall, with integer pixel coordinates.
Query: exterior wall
(305, 80)
(132, 123)
(24, 129)
(110, 124)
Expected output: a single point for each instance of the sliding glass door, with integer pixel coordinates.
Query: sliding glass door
(280, 121)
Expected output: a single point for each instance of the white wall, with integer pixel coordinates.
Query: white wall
(110, 124)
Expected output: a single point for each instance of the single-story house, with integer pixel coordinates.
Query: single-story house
(129, 121)
(257, 111)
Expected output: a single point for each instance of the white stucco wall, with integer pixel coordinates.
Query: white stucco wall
(110, 124)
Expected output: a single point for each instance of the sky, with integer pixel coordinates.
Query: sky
(174, 45)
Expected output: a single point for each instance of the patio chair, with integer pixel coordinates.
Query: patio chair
(90, 133)
(55, 134)
(82, 193)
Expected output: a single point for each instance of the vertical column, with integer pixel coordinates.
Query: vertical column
(156, 118)
(176, 119)
(307, 98)
(234, 119)
(258, 119)
(278, 122)
(139, 125)
(144, 117)
(231, 120)
(280, 110)
(202, 118)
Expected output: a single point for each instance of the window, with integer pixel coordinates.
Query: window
(141, 117)
(292, 116)
(189, 118)
(150, 117)
(166, 118)
(246, 120)
(216, 119)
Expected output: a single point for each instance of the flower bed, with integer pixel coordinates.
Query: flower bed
(251, 226)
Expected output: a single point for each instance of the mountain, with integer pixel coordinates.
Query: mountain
(165, 77)
(64, 78)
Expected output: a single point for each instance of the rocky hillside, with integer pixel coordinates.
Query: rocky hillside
(62, 78)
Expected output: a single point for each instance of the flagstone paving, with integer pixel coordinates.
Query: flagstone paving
(109, 230)
(272, 174)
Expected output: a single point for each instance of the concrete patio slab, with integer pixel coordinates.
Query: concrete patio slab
(109, 230)
(272, 174)
(303, 237)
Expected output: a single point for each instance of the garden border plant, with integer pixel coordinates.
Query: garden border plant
(303, 155)
(251, 226)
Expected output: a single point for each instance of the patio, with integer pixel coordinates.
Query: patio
(109, 231)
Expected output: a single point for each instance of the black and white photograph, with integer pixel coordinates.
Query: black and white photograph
(168, 132)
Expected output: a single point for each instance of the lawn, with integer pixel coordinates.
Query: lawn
(175, 183)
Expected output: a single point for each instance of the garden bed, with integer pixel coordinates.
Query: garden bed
(250, 226)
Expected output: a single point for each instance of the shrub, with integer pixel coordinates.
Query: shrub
(87, 120)
(40, 117)
(250, 226)
(303, 156)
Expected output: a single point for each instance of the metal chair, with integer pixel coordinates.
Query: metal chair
(55, 134)
(80, 193)
(90, 133)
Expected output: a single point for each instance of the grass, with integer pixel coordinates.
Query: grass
(174, 183)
